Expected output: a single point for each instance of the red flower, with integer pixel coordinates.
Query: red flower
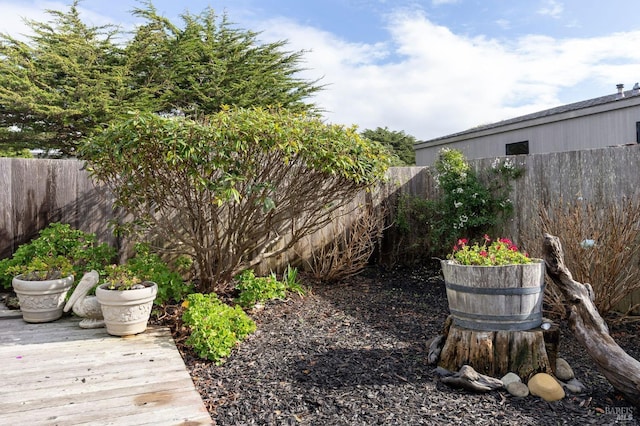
(462, 241)
(486, 238)
(483, 253)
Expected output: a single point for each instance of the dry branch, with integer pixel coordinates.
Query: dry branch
(620, 369)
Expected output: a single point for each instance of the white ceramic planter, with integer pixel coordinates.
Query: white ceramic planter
(126, 312)
(41, 301)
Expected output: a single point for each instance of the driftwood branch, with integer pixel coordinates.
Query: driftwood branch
(620, 369)
(470, 379)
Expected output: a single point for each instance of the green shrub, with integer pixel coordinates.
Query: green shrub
(215, 327)
(150, 267)
(241, 175)
(469, 207)
(16, 153)
(260, 289)
(80, 248)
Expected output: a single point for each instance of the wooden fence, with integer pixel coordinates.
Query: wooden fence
(35, 192)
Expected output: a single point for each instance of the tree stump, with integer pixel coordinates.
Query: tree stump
(496, 353)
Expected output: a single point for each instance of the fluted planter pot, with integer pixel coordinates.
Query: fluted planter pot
(41, 301)
(126, 312)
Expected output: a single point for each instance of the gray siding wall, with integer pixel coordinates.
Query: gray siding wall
(597, 127)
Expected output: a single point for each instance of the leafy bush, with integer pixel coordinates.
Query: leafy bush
(150, 267)
(236, 188)
(260, 289)
(80, 248)
(15, 153)
(216, 328)
(468, 207)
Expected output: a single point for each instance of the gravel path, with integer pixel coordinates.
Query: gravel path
(354, 353)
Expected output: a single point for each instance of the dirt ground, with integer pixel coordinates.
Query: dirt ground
(353, 353)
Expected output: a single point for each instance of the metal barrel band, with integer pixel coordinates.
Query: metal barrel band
(499, 291)
(534, 316)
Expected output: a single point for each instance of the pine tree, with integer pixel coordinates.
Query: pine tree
(61, 85)
(69, 79)
(397, 142)
(206, 64)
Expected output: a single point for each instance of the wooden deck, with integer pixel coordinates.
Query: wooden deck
(59, 374)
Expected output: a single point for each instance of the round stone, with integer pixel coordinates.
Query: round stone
(563, 370)
(517, 389)
(510, 378)
(546, 387)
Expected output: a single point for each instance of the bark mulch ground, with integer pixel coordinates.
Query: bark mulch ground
(353, 353)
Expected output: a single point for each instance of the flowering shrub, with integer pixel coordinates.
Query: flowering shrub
(471, 203)
(499, 252)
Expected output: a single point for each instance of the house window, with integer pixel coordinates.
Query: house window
(637, 131)
(518, 148)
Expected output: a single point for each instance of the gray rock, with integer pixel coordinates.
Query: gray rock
(510, 378)
(575, 386)
(563, 370)
(442, 372)
(434, 346)
(518, 389)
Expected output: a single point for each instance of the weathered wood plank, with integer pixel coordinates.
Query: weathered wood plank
(59, 374)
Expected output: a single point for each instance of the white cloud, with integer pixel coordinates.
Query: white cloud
(435, 82)
(551, 8)
(440, 2)
(13, 16)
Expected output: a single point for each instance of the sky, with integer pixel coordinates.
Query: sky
(428, 68)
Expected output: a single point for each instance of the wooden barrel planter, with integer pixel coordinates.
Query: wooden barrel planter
(496, 313)
(495, 298)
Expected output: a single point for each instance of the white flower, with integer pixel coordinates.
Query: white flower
(457, 204)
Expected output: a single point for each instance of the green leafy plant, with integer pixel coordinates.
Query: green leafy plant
(15, 153)
(150, 267)
(239, 180)
(501, 251)
(41, 268)
(80, 248)
(290, 280)
(120, 277)
(215, 328)
(469, 206)
(260, 289)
